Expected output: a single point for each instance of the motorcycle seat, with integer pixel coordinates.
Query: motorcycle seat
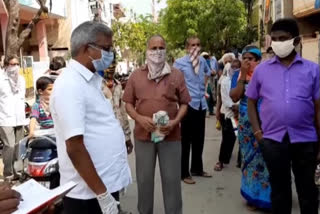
(42, 143)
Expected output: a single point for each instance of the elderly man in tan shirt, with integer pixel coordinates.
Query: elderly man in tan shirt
(152, 88)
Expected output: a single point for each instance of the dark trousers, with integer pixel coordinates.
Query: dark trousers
(210, 100)
(192, 133)
(228, 140)
(78, 206)
(280, 158)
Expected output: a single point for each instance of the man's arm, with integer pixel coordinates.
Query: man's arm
(254, 119)
(82, 162)
(317, 115)
(219, 103)
(68, 107)
(317, 121)
(146, 122)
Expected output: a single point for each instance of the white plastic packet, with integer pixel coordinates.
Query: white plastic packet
(160, 118)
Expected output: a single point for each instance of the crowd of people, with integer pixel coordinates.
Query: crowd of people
(271, 106)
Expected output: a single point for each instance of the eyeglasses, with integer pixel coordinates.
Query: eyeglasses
(14, 64)
(96, 46)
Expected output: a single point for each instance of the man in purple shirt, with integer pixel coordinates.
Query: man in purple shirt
(288, 126)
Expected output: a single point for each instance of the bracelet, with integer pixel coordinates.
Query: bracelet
(257, 132)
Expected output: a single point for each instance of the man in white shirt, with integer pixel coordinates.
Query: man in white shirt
(90, 141)
(12, 114)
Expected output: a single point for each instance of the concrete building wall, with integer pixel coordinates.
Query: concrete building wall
(311, 48)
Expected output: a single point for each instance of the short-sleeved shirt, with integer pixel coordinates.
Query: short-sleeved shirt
(195, 82)
(288, 95)
(79, 107)
(45, 121)
(149, 97)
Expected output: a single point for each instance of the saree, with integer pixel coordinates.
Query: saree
(255, 186)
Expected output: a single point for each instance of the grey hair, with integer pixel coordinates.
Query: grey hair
(156, 36)
(87, 33)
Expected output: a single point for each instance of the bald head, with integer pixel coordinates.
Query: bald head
(156, 42)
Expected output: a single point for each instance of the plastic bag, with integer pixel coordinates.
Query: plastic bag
(160, 118)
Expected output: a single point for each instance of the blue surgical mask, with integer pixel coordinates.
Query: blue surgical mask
(104, 62)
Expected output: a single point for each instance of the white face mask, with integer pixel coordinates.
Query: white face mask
(156, 56)
(283, 49)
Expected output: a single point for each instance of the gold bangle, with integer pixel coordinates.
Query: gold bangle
(257, 132)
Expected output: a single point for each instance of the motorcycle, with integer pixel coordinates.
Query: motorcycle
(40, 159)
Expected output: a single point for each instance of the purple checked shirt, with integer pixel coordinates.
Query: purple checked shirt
(288, 95)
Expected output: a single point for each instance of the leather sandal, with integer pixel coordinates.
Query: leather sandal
(188, 180)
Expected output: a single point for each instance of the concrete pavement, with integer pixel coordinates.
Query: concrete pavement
(217, 195)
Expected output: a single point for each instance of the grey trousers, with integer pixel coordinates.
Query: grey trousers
(10, 137)
(169, 154)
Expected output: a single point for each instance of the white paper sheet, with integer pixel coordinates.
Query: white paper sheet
(34, 195)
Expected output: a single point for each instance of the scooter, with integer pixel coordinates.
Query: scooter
(40, 159)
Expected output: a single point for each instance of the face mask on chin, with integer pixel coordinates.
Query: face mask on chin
(283, 49)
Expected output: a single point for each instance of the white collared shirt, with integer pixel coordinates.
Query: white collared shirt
(12, 107)
(227, 103)
(78, 107)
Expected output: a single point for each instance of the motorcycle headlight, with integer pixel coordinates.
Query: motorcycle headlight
(52, 167)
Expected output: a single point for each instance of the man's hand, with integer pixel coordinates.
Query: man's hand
(129, 146)
(147, 123)
(107, 203)
(166, 130)
(9, 199)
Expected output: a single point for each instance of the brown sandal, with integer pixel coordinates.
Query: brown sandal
(189, 180)
(218, 167)
(203, 174)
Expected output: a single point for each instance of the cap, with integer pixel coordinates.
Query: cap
(204, 54)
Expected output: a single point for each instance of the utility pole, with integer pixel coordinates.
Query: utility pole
(154, 13)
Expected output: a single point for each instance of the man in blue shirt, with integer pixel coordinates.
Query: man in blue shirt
(196, 73)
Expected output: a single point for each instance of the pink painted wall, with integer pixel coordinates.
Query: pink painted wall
(42, 41)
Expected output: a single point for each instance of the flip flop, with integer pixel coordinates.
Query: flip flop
(203, 174)
(218, 167)
(188, 180)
